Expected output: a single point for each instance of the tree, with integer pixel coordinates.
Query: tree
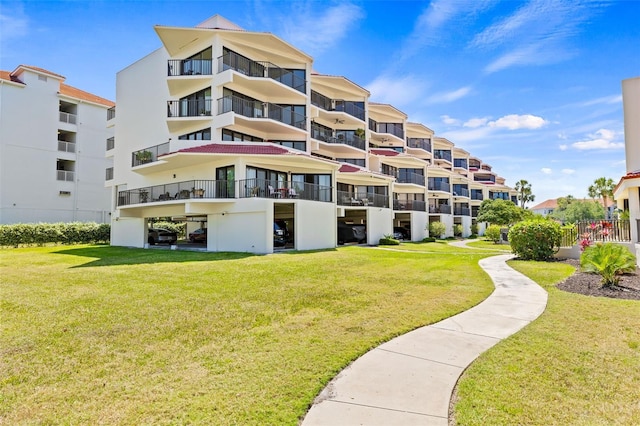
(602, 188)
(571, 210)
(524, 192)
(499, 212)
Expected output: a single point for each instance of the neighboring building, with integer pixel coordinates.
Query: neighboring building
(627, 192)
(547, 207)
(52, 150)
(233, 130)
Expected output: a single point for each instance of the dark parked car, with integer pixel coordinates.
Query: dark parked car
(351, 233)
(279, 236)
(400, 233)
(198, 236)
(161, 235)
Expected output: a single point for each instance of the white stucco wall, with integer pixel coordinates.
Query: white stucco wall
(631, 106)
(419, 226)
(379, 224)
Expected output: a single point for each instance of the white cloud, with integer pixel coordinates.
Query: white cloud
(446, 97)
(397, 91)
(613, 99)
(563, 147)
(319, 30)
(476, 122)
(602, 139)
(515, 122)
(450, 121)
(568, 171)
(546, 170)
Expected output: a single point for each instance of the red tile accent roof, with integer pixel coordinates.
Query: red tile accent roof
(6, 75)
(255, 149)
(38, 69)
(387, 152)
(548, 204)
(74, 92)
(630, 175)
(349, 168)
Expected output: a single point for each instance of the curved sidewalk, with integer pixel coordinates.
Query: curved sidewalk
(409, 380)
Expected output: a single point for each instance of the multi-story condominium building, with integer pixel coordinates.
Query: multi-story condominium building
(627, 192)
(52, 150)
(233, 131)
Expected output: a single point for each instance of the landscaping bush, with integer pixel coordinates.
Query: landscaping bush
(492, 233)
(472, 237)
(608, 260)
(535, 239)
(29, 234)
(429, 240)
(474, 229)
(437, 229)
(388, 240)
(457, 230)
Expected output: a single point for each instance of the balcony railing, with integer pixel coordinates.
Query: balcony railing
(251, 68)
(460, 191)
(413, 205)
(111, 113)
(440, 154)
(108, 175)
(177, 67)
(149, 155)
(461, 211)
(477, 195)
(484, 178)
(191, 189)
(65, 175)
(67, 117)
(366, 199)
(341, 137)
(264, 188)
(410, 177)
(189, 108)
(111, 143)
(436, 185)
(391, 128)
(441, 208)
(257, 109)
(65, 146)
(420, 143)
(460, 163)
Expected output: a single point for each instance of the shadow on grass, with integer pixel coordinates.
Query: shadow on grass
(109, 255)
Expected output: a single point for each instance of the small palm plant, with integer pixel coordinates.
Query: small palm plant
(609, 261)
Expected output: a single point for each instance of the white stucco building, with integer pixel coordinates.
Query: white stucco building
(627, 192)
(233, 130)
(52, 150)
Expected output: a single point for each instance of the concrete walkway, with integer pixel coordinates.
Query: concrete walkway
(409, 380)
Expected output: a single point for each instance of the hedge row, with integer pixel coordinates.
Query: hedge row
(28, 234)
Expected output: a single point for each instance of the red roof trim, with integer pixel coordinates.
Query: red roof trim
(253, 149)
(386, 152)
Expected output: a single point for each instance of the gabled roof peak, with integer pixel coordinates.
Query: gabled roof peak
(219, 23)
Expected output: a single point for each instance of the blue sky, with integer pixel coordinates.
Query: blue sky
(531, 87)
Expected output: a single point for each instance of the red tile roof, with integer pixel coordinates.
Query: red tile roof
(630, 175)
(38, 69)
(6, 75)
(255, 149)
(387, 152)
(349, 168)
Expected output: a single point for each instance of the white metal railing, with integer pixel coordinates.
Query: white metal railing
(66, 175)
(67, 117)
(65, 146)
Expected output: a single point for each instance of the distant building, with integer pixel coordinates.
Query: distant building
(627, 192)
(52, 150)
(547, 207)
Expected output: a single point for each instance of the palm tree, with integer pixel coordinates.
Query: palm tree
(524, 192)
(602, 188)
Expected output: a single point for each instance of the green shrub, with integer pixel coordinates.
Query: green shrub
(429, 240)
(437, 229)
(608, 260)
(474, 229)
(535, 239)
(457, 230)
(388, 240)
(28, 234)
(492, 233)
(472, 237)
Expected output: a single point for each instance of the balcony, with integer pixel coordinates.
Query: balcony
(461, 211)
(67, 117)
(436, 185)
(261, 69)
(419, 143)
(343, 137)
(460, 163)
(474, 165)
(413, 205)
(65, 146)
(257, 109)
(327, 104)
(365, 199)
(460, 191)
(189, 108)
(263, 188)
(484, 178)
(192, 189)
(148, 155)
(441, 208)
(477, 195)
(177, 67)
(394, 129)
(111, 143)
(442, 154)
(65, 175)
(410, 177)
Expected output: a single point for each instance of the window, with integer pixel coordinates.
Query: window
(200, 135)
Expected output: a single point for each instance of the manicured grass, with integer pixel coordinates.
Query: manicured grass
(578, 364)
(105, 335)
(489, 245)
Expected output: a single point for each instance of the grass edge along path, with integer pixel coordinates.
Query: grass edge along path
(108, 335)
(578, 363)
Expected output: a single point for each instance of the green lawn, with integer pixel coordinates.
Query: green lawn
(489, 245)
(578, 364)
(105, 335)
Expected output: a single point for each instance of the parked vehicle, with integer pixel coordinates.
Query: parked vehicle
(400, 233)
(283, 225)
(161, 235)
(198, 236)
(349, 233)
(279, 237)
